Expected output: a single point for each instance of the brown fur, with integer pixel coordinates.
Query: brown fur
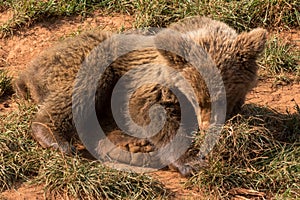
(235, 55)
(50, 82)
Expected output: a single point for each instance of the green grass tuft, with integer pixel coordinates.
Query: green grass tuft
(23, 160)
(82, 179)
(5, 84)
(27, 12)
(242, 15)
(153, 13)
(279, 57)
(18, 151)
(260, 151)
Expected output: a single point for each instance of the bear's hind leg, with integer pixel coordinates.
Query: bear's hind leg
(53, 124)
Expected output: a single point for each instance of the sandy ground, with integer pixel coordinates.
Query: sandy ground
(17, 51)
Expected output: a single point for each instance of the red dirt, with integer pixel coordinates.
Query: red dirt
(281, 98)
(17, 51)
(24, 192)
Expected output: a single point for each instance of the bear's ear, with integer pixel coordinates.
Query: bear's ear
(251, 44)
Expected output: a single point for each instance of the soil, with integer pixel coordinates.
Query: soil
(17, 51)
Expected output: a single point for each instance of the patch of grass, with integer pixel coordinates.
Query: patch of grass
(279, 57)
(259, 153)
(86, 179)
(242, 15)
(27, 12)
(19, 156)
(4, 5)
(23, 160)
(153, 13)
(5, 84)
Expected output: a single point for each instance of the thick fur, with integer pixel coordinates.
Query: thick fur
(234, 55)
(50, 82)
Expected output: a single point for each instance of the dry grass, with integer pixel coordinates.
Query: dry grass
(23, 160)
(279, 57)
(5, 84)
(242, 15)
(259, 151)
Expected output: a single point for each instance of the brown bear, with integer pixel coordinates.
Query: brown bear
(52, 81)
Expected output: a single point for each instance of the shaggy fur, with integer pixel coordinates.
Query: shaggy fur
(50, 82)
(234, 55)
